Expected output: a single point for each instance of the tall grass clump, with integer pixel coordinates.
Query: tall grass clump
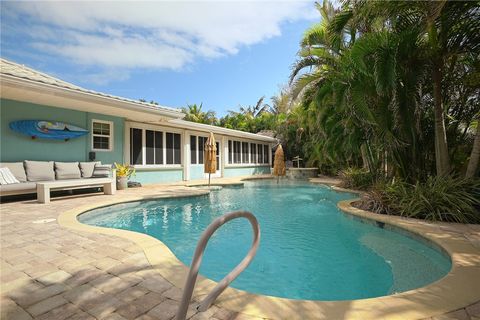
(357, 178)
(440, 198)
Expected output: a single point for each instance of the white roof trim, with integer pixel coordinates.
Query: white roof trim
(219, 130)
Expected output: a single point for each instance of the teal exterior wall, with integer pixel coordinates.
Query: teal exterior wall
(18, 147)
(196, 172)
(158, 176)
(246, 171)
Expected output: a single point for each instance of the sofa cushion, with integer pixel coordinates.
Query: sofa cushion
(67, 170)
(7, 177)
(102, 171)
(28, 187)
(39, 170)
(17, 169)
(87, 168)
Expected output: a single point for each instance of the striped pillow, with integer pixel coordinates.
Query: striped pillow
(102, 171)
(7, 177)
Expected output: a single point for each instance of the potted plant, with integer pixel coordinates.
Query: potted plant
(123, 174)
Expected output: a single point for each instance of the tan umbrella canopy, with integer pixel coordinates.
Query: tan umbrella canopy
(279, 162)
(210, 156)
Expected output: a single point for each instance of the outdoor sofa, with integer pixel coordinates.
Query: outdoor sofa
(41, 177)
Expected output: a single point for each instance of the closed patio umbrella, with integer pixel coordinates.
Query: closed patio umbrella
(210, 164)
(279, 162)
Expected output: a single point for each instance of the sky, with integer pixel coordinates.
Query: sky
(222, 53)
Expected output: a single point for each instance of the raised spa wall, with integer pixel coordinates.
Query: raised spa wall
(301, 173)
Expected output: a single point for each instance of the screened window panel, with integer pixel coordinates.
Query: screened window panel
(149, 147)
(218, 155)
(169, 142)
(260, 153)
(158, 147)
(201, 148)
(136, 146)
(236, 151)
(253, 153)
(265, 153)
(230, 151)
(177, 148)
(245, 155)
(193, 149)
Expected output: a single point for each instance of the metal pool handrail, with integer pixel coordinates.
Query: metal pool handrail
(197, 260)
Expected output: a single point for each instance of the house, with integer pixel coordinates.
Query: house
(153, 138)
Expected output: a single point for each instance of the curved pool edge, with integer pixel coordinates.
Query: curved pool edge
(458, 289)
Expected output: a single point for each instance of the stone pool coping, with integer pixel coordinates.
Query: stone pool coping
(458, 289)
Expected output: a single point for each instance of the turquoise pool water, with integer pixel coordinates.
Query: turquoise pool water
(309, 249)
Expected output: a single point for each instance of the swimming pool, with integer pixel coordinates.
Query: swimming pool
(309, 249)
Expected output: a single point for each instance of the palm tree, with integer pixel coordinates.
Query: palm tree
(475, 155)
(254, 111)
(281, 103)
(194, 113)
(451, 28)
(377, 64)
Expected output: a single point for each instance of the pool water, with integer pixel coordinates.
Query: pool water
(309, 249)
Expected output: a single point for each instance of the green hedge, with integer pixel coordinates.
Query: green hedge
(437, 199)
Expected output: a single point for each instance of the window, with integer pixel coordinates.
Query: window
(245, 152)
(136, 146)
(242, 152)
(253, 152)
(193, 149)
(151, 147)
(236, 152)
(265, 153)
(102, 135)
(173, 148)
(196, 153)
(218, 155)
(201, 148)
(260, 153)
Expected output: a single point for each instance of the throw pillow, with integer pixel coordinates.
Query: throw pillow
(87, 168)
(102, 171)
(67, 170)
(7, 177)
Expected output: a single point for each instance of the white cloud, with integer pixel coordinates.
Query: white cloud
(153, 34)
(120, 33)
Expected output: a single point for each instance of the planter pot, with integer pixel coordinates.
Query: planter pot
(122, 183)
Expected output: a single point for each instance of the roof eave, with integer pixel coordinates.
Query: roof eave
(6, 79)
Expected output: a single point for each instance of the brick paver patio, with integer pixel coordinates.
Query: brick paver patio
(50, 272)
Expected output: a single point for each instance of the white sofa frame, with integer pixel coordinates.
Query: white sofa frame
(44, 188)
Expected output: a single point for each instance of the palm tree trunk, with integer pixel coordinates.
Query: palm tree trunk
(441, 147)
(363, 152)
(474, 156)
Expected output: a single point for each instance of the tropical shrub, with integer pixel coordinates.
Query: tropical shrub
(440, 198)
(357, 178)
(124, 170)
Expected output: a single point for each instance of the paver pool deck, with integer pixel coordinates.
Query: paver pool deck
(53, 267)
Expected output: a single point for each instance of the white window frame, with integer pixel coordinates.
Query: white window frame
(197, 158)
(164, 130)
(110, 137)
(250, 164)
